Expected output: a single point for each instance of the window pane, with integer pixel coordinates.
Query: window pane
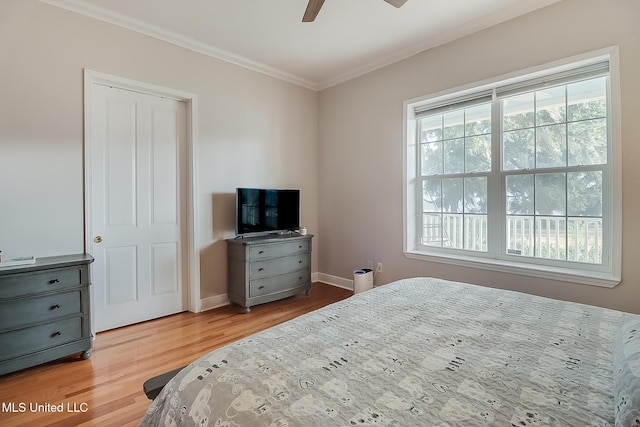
(432, 229)
(550, 198)
(588, 142)
(431, 129)
(520, 232)
(475, 195)
(519, 194)
(454, 156)
(550, 238)
(478, 154)
(518, 150)
(478, 120)
(551, 106)
(431, 158)
(587, 99)
(584, 193)
(431, 195)
(517, 112)
(454, 124)
(452, 195)
(475, 232)
(585, 240)
(453, 230)
(551, 146)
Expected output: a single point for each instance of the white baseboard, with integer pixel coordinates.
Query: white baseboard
(214, 302)
(221, 300)
(340, 282)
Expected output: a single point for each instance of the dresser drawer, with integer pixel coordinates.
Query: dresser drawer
(260, 252)
(50, 280)
(277, 266)
(41, 337)
(278, 283)
(35, 310)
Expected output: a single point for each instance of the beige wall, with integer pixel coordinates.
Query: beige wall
(360, 140)
(349, 136)
(252, 130)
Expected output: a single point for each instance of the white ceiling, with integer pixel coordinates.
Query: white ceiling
(347, 39)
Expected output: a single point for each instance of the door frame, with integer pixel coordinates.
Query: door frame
(192, 260)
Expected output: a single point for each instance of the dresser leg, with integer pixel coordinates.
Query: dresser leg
(247, 309)
(85, 355)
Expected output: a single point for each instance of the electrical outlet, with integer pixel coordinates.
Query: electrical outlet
(379, 268)
(370, 264)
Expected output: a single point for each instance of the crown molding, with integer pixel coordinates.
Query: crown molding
(443, 37)
(85, 8)
(106, 15)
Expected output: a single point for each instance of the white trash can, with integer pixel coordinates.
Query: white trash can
(362, 280)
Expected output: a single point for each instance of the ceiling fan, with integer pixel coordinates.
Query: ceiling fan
(314, 6)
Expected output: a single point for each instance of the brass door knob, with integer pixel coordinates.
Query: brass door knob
(97, 239)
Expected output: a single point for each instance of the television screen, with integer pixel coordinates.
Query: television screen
(261, 211)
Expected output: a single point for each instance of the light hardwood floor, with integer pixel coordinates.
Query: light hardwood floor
(106, 390)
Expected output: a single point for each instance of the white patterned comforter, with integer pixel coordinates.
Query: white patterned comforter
(417, 352)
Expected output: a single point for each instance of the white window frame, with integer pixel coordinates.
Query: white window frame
(607, 274)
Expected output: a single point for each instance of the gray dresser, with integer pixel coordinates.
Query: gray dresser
(264, 269)
(44, 311)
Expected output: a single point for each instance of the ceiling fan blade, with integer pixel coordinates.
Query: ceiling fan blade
(313, 7)
(396, 3)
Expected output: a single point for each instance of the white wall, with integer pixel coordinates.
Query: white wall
(360, 131)
(252, 130)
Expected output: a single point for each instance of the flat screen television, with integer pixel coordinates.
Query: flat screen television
(264, 211)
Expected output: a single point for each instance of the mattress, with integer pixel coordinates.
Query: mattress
(416, 352)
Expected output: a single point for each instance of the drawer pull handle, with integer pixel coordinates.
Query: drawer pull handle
(300, 261)
(56, 334)
(54, 281)
(261, 287)
(54, 307)
(299, 246)
(261, 269)
(261, 252)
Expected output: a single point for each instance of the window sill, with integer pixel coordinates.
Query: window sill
(583, 277)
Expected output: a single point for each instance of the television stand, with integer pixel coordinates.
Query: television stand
(268, 268)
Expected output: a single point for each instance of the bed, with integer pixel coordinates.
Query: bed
(420, 352)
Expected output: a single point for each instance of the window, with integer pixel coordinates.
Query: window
(519, 175)
(455, 162)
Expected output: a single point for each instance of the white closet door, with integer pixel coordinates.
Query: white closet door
(137, 150)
